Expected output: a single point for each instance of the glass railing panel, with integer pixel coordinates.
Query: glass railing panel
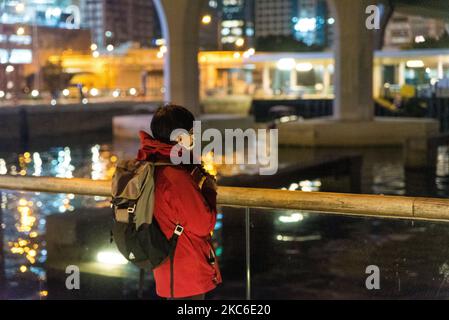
(305, 255)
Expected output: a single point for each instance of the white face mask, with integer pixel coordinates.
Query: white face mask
(186, 140)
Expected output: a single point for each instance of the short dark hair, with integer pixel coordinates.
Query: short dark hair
(168, 118)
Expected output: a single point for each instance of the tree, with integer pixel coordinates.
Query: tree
(55, 78)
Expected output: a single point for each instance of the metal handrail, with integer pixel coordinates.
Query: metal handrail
(381, 206)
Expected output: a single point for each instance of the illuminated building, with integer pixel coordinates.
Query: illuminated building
(312, 25)
(30, 31)
(50, 13)
(237, 25)
(405, 29)
(210, 24)
(117, 22)
(274, 18)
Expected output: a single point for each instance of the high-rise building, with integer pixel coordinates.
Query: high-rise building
(274, 18)
(403, 29)
(63, 14)
(312, 24)
(31, 31)
(114, 22)
(209, 32)
(237, 24)
(307, 21)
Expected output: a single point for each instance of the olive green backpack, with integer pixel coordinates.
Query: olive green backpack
(137, 235)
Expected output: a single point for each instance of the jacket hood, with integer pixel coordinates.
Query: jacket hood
(152, 149)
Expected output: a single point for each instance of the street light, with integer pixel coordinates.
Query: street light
(240, 42)
(206, 19)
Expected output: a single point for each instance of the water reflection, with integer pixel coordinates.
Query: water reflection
(25, 213)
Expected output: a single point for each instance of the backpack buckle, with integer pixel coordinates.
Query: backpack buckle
(132, 209)
(178, 230)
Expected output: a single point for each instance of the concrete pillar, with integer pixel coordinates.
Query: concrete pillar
(266, 79)
(293, 78)
(401, 74)
(377, 80)
(180, 22)
(440, 69)
(326, 79)
(353, 61)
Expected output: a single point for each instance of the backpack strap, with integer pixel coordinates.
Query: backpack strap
(173, 242)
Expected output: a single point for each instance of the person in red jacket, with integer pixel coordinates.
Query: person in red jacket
(185, 195)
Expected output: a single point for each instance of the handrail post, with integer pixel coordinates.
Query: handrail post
(2, 256)
(248, 252)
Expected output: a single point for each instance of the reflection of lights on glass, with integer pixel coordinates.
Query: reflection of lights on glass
(295, 217)
(208, 162)
(84, 101)
(64, 168)
(23, 268)
(218, 225)
(53, 102)
(111, 258)
(3, 168)
(43, 293)
(2, 94)
(66, 92)
(293, 186)
(110, 47)
(133, 91)
(95, 54)
(163, 49)
(330, 21)
(35, 93)
(312, 237)
(102, 168)
(37, 161)
(236, 55)
(93, 47)
(305, 185)
(159, 55)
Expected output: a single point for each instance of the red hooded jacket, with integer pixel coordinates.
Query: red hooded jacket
(178, 200)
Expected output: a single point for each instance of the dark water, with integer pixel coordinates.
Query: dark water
(294, 254)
